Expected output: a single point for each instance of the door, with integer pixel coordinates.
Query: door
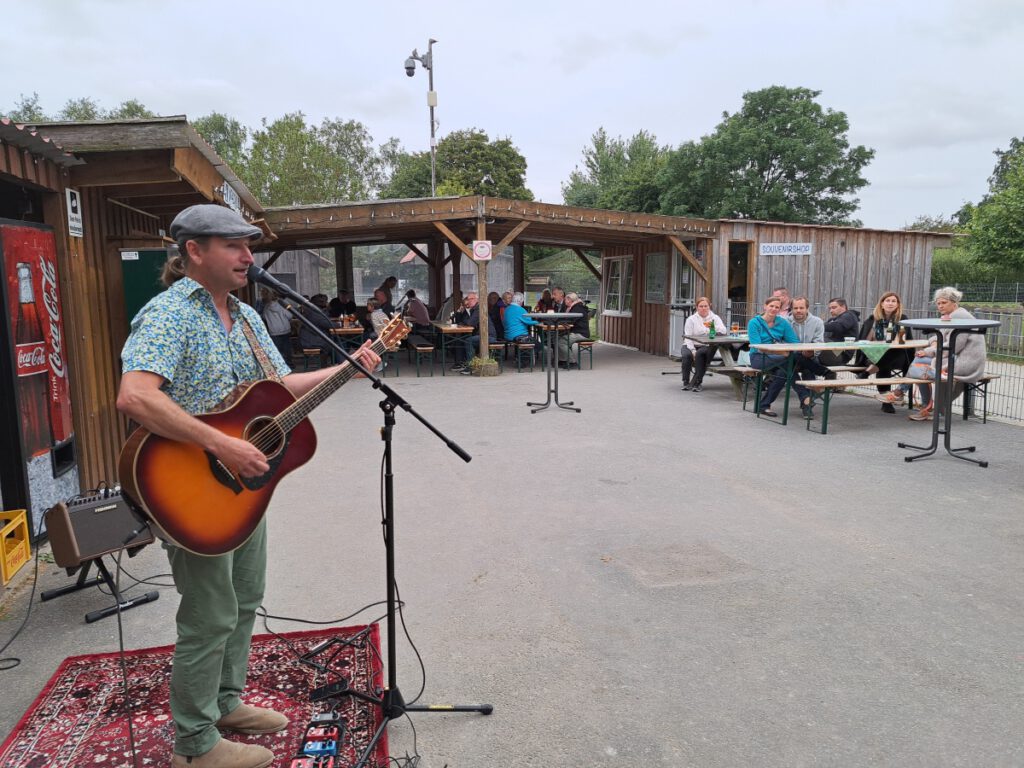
(681, 304)
(740, 281)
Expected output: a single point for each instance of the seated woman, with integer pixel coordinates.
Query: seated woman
(517, 324)
(884, 325)
(697, 352)
(769, 328)
(545, 303)
(971, 354)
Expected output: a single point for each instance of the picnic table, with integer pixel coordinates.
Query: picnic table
(874, 351)
(449, 334)
(728, 348)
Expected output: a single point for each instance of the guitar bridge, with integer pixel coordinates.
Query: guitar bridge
(224, 475)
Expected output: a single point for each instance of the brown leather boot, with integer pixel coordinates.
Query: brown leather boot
(227, 754)
(254, 720)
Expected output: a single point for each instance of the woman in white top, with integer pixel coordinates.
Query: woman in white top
(696, 354)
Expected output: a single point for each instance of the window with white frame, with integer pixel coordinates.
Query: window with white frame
(618, 287)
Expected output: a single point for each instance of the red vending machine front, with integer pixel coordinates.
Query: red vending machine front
(39, 369)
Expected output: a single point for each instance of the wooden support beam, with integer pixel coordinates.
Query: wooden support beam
(690, 259)
(115, 168)
(200, 173)
(273, 257)
(511, 236)
(151, 190)
(415, 249)
(453, 238)
(586, 262)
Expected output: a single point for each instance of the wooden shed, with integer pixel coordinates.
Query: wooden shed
(137, 175)
(822, 262)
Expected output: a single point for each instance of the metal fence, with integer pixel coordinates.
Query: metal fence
(990, 292)
(1005, 354)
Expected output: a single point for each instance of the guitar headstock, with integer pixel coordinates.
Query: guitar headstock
(391, 335)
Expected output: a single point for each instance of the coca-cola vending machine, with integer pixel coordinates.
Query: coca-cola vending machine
(43, 468)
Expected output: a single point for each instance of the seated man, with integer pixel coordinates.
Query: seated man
(416, 312)
(843, 323)
(310, 339)
(580, 330)
(467, 346)
(809, 330)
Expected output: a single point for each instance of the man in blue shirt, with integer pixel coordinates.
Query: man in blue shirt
(188, 349)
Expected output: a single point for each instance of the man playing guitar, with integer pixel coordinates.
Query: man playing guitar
(188, 349)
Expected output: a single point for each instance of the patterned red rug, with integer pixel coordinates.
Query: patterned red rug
(79, 718)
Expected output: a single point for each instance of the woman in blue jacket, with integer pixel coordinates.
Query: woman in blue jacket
(769, 328)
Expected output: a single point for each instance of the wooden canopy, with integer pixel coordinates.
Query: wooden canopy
(156, 165)
(457, 219)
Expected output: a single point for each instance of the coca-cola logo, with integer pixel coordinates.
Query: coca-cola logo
(50, 301)
(31, 359)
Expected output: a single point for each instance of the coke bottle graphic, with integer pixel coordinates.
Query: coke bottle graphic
(30, 355)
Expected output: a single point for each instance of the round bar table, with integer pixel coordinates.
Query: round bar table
(551, 321)
(943, 392)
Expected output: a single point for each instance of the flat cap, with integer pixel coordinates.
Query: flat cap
(209, 220)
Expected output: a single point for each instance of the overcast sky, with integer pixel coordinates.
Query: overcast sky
(933, 87)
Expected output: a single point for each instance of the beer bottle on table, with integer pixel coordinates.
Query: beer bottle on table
(30, 364)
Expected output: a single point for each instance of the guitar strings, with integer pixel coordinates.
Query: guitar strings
(291, 416)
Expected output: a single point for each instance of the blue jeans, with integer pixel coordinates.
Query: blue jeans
(775, 367)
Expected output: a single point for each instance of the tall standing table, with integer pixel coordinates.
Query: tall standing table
(551, 322)
(943, 394)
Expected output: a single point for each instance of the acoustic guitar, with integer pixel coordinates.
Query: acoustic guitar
(197, 502)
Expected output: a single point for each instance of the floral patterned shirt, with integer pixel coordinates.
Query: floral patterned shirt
(179, 335)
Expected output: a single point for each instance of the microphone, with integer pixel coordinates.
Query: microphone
(261, 276)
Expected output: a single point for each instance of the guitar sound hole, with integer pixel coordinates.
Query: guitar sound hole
(266, 435)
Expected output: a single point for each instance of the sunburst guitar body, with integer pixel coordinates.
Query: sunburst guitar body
(199, 504)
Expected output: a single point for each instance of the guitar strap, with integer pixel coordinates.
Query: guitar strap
(261, 354)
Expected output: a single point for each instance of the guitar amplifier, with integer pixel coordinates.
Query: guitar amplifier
(93, 526)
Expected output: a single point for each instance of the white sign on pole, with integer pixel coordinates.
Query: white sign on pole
(785, 249)
(75, 228)
(482, 250)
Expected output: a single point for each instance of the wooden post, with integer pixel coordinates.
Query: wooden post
(343, 269)
(481, 272)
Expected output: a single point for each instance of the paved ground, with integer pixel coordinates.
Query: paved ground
(661, 580)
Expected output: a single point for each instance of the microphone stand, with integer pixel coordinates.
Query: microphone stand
(391, 703)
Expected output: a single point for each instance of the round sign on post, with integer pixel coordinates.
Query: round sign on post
(482, 250)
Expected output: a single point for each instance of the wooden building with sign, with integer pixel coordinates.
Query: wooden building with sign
(136, 175)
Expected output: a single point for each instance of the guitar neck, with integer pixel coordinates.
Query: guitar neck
(302, 407)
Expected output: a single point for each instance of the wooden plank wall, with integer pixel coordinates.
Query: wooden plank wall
(648, 328)
(856, 264)
(93, 298)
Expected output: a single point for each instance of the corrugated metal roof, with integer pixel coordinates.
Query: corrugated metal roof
(20, 136)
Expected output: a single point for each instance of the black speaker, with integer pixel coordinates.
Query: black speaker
(91, 527)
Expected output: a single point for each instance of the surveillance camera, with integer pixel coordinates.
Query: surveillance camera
(410, 66)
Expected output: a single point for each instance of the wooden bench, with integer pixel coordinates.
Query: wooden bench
(825, 387)
(524, 349)
(972, 388)
(742, 374)
(420, 348)
(581, 347)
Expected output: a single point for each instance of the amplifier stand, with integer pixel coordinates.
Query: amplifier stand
(104, 578)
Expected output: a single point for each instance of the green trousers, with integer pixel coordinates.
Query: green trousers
(219, 598)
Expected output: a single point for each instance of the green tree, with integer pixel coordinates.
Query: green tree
(467, 163)
(130, 109)
(938, 223)
(781, 158)
(292, 163)
(80, 110)
(410, 176)
(27, 110)
(996, 229)
(618, 174)
(226, 135)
